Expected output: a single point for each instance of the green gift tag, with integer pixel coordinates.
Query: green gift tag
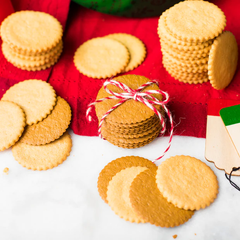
(129, 8)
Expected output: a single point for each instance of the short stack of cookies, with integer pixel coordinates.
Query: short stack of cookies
(166, 196)
(132, 124)
(105, 57)
(188, 32)
(34, 123)
(32, 40)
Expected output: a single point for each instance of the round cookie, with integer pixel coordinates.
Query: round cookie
(50, 128)
(12, 123)
(39, 68)
(31, 31)
(185, 57)
(187, 182)
(27, 63)
(45, 156)
(183, 63)
(125, 130)
(165, 35)
(223, 59)
(149, 203)
(101, 58)
(131, 140)
(118, 194)
(115, 166)
(131, 111)
(202, 21)
(36, 97)
(135, 47)
(37, 57)
(134, 134)
(189, 69)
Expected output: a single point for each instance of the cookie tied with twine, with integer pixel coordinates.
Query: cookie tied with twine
(130, 102)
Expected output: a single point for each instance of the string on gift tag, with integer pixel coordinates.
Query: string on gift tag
(137, 95)
(230, 176)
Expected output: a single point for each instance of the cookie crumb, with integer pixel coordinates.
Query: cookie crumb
(174, 236)
(5, 170)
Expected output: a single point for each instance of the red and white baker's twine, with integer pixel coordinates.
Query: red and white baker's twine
(144, 97)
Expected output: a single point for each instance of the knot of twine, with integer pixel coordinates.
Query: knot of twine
(136, 94)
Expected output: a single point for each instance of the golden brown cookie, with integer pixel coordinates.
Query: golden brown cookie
(118, 129)
(31, 31)
(133, 145)
(166, 36)
(187, 182)
(45, 156)
(149, 203)
(101, 58)
(118, 194)
(185, 58)
(115, 166)
(131, 134)
(192, 21)
(190, 69)
(184, 63)
(40, 57)
(36, 97)
(39, 68)
(135, 47)
(133, 139)
(196, 50)
(28, 64)
(12, 123)
(223, 59)
(50, 128)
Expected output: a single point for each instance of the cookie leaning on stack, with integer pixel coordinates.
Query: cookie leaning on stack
(188, 31)
(31, 40)
(132, 124)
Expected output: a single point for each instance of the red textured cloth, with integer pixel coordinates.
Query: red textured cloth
(188, 102)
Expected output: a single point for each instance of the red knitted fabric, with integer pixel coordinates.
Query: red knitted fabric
(188, 102)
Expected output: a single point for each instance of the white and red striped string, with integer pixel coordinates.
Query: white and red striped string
(136, 94)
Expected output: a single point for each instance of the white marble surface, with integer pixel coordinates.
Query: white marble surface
(63, 203)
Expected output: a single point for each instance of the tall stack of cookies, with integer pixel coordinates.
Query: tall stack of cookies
(187, 32)
(132, 124)
(31, 40)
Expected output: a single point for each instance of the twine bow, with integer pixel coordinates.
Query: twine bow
(144, 97)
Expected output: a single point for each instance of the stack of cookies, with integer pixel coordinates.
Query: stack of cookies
(187, 33)
(132, 124)
(34, 122)
(166, 196)
(31, 40)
